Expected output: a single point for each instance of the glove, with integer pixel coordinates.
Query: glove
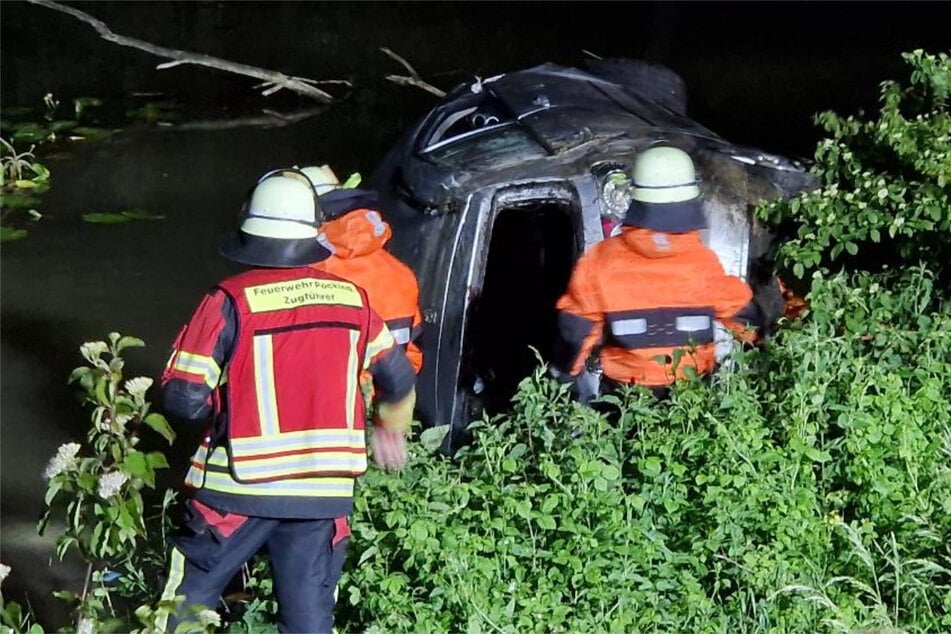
(397, 416)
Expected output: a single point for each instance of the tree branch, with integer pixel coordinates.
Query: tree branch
(413, 79)
(274, 80)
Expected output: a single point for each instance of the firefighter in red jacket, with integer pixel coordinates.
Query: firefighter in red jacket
(272, 357)
(355, 233)
(649, 296)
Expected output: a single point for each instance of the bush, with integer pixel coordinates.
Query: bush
(808, 491)
(884, 182)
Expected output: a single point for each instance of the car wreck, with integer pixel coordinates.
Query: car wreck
(495, 193)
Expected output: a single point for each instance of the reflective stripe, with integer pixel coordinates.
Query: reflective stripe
(196, 474)
(176, 573)
(377, 221)
(285, 466)
(661, 327)
(300, 487)
(629, 327)
(220, 479)
(401, 336)
(693, 323)
(264, 385)
(307, 439)
(352, 377)
(383, 341)
(199, 364)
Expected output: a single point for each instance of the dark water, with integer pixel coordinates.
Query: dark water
(755, 73)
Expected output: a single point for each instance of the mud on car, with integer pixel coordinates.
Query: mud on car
(495, 193)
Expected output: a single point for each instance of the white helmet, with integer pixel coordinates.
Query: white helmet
(322, 177)
(666, 195)
(281, 221)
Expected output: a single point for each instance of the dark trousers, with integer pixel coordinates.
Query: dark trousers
(306, 564)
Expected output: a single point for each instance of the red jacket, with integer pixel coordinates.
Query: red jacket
(645, 295)
(357, 240)
(274, 357)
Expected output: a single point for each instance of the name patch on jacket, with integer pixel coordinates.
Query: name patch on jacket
(304, 292)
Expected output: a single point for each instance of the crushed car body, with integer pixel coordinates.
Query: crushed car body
(495, 193)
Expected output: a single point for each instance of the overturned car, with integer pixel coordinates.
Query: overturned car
(495, 193)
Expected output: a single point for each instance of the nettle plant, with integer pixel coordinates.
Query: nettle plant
(884, 181)
(95, 488)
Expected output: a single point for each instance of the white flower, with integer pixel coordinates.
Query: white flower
(110, 483)
(64, 460)
(4, 571)
(209, 617)
(138, 385)
(92, 350)
(85, 626)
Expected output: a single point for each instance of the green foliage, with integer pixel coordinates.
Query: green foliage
(808, 491)
(22, 178)
(885, 181)
(95, 489)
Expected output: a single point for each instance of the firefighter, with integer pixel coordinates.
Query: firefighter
(650, 295)
(272, 357)
(355, 233)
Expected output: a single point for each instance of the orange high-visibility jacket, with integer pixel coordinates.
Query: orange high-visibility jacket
(645, 294)
(356, 240)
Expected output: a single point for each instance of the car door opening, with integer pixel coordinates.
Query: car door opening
(531, 254)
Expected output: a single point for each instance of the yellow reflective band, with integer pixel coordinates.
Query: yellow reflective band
(352, 377)
(333, 461)
(306, 439)
(199, 364)
(299, 487)
(383, 341)
(264, 385)
(176, 573)
(196, 475)
(302, 292)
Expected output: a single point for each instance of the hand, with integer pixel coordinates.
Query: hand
(389, 449)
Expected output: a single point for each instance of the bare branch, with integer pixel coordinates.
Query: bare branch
(400, 59)
(413, 79)
(279, 80)
(404, 80)
(267, 119)
(594, 55)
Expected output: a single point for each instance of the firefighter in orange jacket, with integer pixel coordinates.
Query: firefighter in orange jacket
(356, 234)
(653, 290)
(272, 357)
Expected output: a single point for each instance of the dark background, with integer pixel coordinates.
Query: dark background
(756, 73)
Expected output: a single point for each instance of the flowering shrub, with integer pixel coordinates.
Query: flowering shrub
(885, 182)
(95, 488)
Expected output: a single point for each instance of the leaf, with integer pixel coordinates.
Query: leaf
(129, 342)
(106, 218)
(817, 455)
(19, 199)
(156, 460)
(432, 438)
(546, 522)
(52, 489)
(64, 124)
(160, 425)
(141, 214)
(85, 133)
(136, 465)
(852, 248)
(652, 466)
(25, 184)
(9, 234)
